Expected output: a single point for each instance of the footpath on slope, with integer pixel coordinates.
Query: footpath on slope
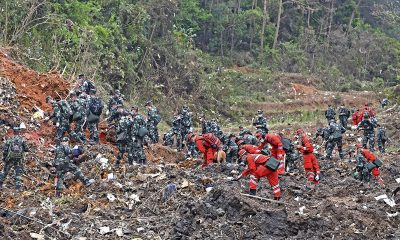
(174, 199)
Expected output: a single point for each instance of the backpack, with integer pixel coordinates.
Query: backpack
(287, 144)
(65, 109)
(16, 149)
(96, 106)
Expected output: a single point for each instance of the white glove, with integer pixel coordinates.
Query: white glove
(316, 178)
(46, 118)
(353, 127)
(108, 112)
(57, 124)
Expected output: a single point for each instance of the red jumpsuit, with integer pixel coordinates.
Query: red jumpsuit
(370, 157)
(252, 149)
(257, 169)
(355, 118)
(311, 165)
(208, 144)
(277, 149)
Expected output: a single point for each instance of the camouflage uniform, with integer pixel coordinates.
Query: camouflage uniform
(78, 107)
(291, 155)
(175, 130)
(137, 150)
(361, 172)
(368, 125)
(384, 103)
(86, 86)
(61, 117)
(344, 115)
(260, 122)
(205, 126)
(230, 148)
(13, 151)
(63, 164)
(330, 114)
(248, 138)
(382, 138)
(324, 134)
(186, 123)
(335, 131)
(124, 139)
(93, 125)
(114, 103)
(214, 127)
(153, 118)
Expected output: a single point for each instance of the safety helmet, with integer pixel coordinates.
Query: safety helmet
(242, 152)
(148, 103)
(117, 92)
(93, 91)
(260, 111)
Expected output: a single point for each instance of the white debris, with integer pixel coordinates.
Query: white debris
(111, 177)
(134, 197)
(398, 180)
(297, 198)
(185, 184)
(386, 199)
(37, 236)
(392, 214)
(104, 230)
(139, 230)
(208, 189)
(118, 185)
(301, 210)
(110, 197)
(119, 232)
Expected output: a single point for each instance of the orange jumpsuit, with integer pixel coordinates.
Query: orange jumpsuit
(256, 169)
(208, 144)
(277, 149)
(252, 149)
(311, 165)
(370, 157)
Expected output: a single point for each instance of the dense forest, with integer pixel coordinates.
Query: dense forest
(188, 50)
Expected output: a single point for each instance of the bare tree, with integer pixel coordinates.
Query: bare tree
(278, 23)
(264, 23)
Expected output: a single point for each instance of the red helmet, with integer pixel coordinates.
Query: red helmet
(358, 145)
(240, 142)
(299, 131)
(242, 152)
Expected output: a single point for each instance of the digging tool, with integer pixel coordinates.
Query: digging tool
(266, 199)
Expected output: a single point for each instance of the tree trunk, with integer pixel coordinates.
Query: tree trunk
(352, 16)
(278, 23)
(221, 38)
(264, 23)
(254, 4)
(331, 12)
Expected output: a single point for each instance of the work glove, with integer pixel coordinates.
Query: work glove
(57, 124)
(316, 178)
(46, 118)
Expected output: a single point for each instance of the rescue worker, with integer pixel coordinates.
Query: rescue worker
(291, 155)
(355, 117)
(277, 149)
(176, 130)
(124, 138)
(384, 103)
(252, 149)
(230, 147)
(247, 137)
(335, 132)
(191, 146)
(61, 117)
(85, 85)
(330, 113)
(260, 122)
(344, 114)
(93, 116)
(208, 144)
(153, 119)
(116, 99)
(205, 125)
(369, 110)
(311, 165)
(139, 133)
(368, 126)
(324, 134)
(186, 122)
(13, 156)
(382, 138)
(259, 166)
(214, 127)
(63, 164)
(78, 117)
(374, 162)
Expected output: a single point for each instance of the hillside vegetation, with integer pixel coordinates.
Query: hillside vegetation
(208, 53)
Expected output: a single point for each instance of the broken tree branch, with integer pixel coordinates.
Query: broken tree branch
(266, 199)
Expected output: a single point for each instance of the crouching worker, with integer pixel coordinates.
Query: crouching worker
(311, 165)
(259, 166)
(373, 164)
(64, 164)
(209, 145)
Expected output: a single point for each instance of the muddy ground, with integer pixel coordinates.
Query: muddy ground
(173, 198)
